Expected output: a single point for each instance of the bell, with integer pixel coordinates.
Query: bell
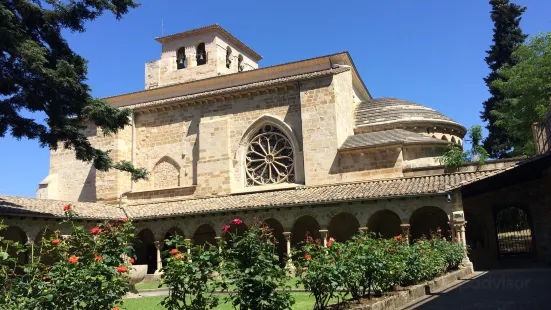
(201, 57)
(181, 61)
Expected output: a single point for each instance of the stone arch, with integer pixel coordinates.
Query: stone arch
(386, 223)
(15, 233)
(253, 129)
(514, 230)
(181, 60)
(343, 226)
(240, 65)
(201, 54)
(453, 140)
(444, 138)
(278, 238)
(146, 252)
(228, 57)
(165, 173)
(426, 220)
(204, 234)
(304, 226)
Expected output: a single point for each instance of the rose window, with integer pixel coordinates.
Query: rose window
(269, 158)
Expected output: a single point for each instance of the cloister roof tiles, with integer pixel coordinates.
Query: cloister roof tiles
(301, 195)
(411, 186)
(391, 110)
(12, 205)
(388, 137)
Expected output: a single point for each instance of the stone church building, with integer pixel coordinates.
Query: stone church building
(302, 146)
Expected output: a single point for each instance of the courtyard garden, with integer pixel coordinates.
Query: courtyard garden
(91, 269)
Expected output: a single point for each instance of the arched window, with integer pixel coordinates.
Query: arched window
(181, 61)
(240, 66)
(165, 174)
(201, 54)
(228, 57)
(269, 158)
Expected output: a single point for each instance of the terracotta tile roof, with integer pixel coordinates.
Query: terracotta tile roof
(391, 110)
(11, 205)
(379, 189)
(211, 28)
(412, 186)
(388, 137)
(292, 78)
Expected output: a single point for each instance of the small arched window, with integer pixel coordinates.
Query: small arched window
(269, 158)
(228, 57)
(181, 61)
(444, 138)
(453, 140)
(201, 54)
(240, 66)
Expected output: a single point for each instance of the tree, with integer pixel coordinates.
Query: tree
(454, 156)
(507, 36)
(40, 73)
(527, 90)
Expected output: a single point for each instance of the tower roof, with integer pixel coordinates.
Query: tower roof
(212, 28)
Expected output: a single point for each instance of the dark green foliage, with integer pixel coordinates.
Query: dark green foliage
(190, 277)
(40, 73)
(527, 90)
(454, 156)
(252, 266)
(507, 36)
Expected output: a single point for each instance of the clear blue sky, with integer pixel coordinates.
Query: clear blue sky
(429, 51)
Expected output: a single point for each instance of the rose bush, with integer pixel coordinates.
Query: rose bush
(251, 266)
(88, 269)
(190, 277)
(322, 270)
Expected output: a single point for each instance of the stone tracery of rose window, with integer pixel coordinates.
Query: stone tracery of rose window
(269, 158)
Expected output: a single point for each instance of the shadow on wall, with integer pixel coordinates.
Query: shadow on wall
(358, 161)
(88, 192)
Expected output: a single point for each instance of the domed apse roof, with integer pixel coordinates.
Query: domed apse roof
(382, 111)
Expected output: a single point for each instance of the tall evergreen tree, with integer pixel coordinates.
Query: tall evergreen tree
(507, 36)
(40, 73)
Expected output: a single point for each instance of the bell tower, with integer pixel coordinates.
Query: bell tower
(199, 54)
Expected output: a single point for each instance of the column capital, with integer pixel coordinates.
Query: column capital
(364, 229)
(159, 244)
(287, 235)
(405, 225)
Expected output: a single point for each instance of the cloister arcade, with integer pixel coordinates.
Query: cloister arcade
(414, 216)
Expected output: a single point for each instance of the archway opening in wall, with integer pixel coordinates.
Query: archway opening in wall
(343, 226)
(385, 223)
(204, 235)
(172, 232)
(40, 240)
(426, 221)
(240, 65)
(16, 234)
(146, 253)
(278, 239)
(444, 138)
(228, 57)
(514, 232)
(201, 54)
(181, 61)
(474, 232)
(304, 226)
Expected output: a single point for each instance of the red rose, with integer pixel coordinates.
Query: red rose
(399, 237)
(330, 241)
(124, 220)
(438, 230)
(308, 257)
(132, 261)
(67, 208)
(116, 308)
(56, 242)
(73, 259)
(95, 231)
(225, 228)
(122, 269)
(173, 251)
(180, 256)
(237, 222)
(98, 257)
(453, 240)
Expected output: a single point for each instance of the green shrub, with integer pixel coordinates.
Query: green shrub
(252, 266)
(189, 277)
